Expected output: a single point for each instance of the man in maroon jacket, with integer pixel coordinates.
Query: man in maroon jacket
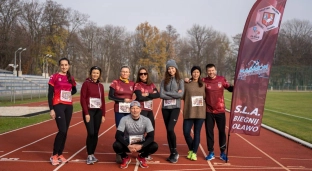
(215, 110)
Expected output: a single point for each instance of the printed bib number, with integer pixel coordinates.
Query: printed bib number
(148, 104)
(197, 101)
(66, 96)
(124, 107)
(95, 102)
(133, 139)
(170, 102)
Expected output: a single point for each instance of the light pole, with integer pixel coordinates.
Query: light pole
(15, 66)
(20, 63)
(47, 64)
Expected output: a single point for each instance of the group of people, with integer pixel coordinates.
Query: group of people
(134, 118)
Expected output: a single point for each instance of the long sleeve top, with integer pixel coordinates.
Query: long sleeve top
(171, 93)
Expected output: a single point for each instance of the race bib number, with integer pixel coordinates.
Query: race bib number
(66, 96)
(197, 101)
(95, 103)
(170, 102)
(134, 139)
(148, 104)
(124, 107)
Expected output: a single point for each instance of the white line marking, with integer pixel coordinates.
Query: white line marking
(263, 152)
(294, 159)
(82, 149)
(39, 152)
(39, 123)
(36, 141)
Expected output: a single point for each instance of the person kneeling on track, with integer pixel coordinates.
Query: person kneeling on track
(130, 137)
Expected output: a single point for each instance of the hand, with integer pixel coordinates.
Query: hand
(145, 94)
(186, 80)
(52, 114)
(128, 100)
(87, 118)
(131, 148)
(180, 91)
(137, 147)
(103, 119)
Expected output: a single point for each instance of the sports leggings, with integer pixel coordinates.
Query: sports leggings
(63, 114)
(170, 118)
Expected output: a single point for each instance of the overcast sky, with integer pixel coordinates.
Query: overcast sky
(226, 16)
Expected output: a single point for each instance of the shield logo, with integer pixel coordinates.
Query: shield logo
(219, 84)
(268, 18)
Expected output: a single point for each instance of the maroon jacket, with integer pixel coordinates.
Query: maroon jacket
(93, 90)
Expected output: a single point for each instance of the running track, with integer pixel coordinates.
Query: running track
(29, 149)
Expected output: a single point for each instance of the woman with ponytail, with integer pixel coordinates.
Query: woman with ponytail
(61, 88)
(121, 91)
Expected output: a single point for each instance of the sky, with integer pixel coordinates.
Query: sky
(225, 16)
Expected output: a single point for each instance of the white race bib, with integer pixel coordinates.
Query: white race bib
(148, 104)
(124, 107)
(197, 101)
(66, 96)
(95, 102)
(170, 102)
(133, 139)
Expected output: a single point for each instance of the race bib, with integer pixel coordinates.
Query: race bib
(124, 107)
(95, 102)
(134, 139)
(197, 101)
(148, 104)
(66, 96)
(170, 102)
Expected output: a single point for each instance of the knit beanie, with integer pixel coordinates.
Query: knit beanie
(171, 63)
(194, 68)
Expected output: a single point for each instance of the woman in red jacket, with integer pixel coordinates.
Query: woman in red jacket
(92, 101)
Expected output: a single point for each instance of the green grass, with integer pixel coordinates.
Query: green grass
(11, 123)
(283, 111)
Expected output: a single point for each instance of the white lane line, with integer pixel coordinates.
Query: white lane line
(209, 163)
(82, 149)
(294, 159)
(36, 141)
(39, 152)
(38, 123)
(263, 152)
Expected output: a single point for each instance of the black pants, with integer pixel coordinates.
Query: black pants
(63, 114)
(122, 150)
(170, 118)
(93, 127)
(150, 115)
(210, 121)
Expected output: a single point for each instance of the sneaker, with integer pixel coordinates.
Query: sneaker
(189, 154)
(149, 157)
(142, 161)
(210, 156)
(62, 159)
(175, 158)
(54, 160)
(193, 156)
(90, 160)
(170, 157)
(223, 156)
(125, 162)
(94, 159)
(118, 159)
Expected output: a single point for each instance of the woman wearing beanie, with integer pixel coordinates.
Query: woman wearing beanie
(171, 91)
(121, 91)
(194, 112)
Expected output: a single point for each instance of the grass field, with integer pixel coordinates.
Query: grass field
(289, 112)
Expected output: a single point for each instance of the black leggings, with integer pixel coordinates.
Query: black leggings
(122, 150)
(63, 114)
(150, 115)
(170, 118)
(93, 127)
(210, 121)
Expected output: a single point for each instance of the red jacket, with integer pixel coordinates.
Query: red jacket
(89, 90)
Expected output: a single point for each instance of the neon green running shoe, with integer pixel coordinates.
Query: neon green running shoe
(193, 156)
(189, 154)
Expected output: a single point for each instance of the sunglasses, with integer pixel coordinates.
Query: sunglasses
(145, 73)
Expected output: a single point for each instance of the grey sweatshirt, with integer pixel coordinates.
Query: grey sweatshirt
(172, 92)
